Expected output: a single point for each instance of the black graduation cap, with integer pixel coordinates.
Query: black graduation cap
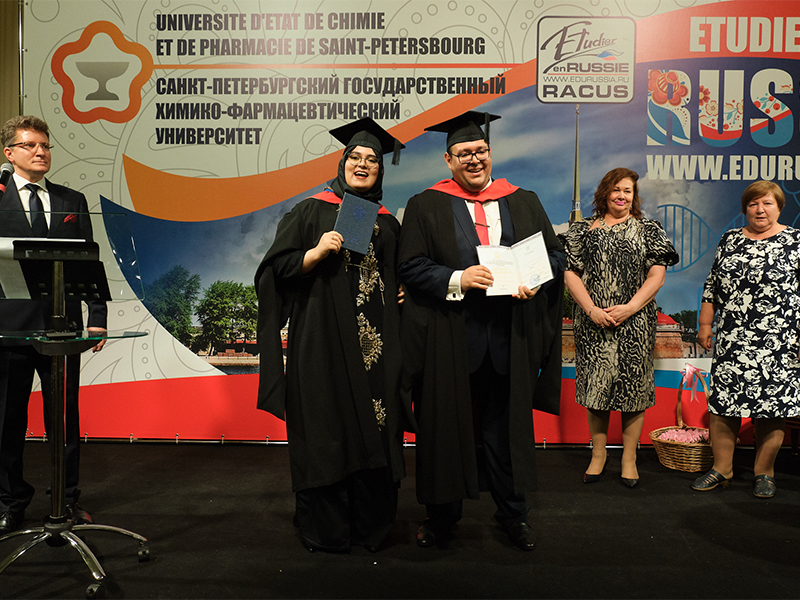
(465, 127)
(366, 132)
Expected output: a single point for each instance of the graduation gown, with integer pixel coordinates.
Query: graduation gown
(324, 394)
(435, 347)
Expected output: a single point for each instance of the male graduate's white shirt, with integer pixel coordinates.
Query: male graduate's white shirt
(492, 210)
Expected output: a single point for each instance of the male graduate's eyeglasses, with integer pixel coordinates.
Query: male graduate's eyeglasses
(466, 157)
(32, 146)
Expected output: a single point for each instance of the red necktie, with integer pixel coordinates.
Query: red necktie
(480, 223)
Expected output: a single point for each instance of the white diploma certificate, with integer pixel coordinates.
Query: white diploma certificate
(525, 263)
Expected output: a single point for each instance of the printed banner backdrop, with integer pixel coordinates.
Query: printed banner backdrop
(205, 121)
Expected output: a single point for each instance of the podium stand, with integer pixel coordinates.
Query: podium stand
(57, 270)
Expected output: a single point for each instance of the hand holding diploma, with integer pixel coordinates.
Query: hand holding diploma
(476, 277)
(525, 293)
(517, 270)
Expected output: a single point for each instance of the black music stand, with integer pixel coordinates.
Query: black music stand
(60, 269)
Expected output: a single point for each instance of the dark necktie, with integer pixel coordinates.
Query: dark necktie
(481, 227)
(38, 221)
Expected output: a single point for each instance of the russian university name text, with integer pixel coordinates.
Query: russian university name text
(202, 136)
(298, 111)
(382, 86)
(281, 111)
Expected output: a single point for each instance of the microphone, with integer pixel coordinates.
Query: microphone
(5, 174)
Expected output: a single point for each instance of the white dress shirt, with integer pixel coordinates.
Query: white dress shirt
(25, 196)
(492, 210)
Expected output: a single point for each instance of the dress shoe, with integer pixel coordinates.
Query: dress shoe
(314, 547)
(709, 481)
(631, 483)
(522, 536)
(369, 545)
(426, 536)
(595, 477)
(77, 515)
(10, 522)
(592, 478)
(764, 486)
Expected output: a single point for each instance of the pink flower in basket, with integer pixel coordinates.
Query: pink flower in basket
(685, 436)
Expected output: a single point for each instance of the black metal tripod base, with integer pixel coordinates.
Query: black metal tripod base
(57, 534)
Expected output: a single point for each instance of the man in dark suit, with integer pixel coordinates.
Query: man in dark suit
(476, 365)
(33, 206)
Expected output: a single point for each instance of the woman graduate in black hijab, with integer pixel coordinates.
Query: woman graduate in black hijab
(339, 390)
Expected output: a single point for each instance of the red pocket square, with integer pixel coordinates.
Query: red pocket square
(70, 218)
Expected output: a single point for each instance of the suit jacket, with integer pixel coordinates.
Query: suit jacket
(69, 219)
(487, 319)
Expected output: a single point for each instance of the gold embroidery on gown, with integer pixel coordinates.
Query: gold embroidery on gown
(371, 343)
(380, 412)
(369, 275)
(369, 279)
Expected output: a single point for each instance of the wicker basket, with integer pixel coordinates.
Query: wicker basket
(683, 456)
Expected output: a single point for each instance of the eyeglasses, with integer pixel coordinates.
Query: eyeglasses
(32, 146)
(355, 160)
(466, 157)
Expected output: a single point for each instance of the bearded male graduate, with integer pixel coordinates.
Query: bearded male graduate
(476, 365)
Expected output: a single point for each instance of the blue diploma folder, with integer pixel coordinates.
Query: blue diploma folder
(356, 222)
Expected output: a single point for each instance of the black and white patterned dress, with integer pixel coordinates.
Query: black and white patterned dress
(755, 285)
(614, 367)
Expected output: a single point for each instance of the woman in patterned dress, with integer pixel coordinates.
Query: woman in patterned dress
(338, 393)
(616, 263)
(754, 290)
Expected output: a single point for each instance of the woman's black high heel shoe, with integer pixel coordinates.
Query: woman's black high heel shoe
(587, 478)
(594, 478)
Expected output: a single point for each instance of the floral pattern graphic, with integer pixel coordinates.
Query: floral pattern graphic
(669, 93)
(659, 84)
(721, 121)
(777, 113)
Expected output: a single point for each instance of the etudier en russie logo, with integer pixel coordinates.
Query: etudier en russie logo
(585, 59)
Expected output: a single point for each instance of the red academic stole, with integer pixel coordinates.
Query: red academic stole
(332, 198)
(500, 188)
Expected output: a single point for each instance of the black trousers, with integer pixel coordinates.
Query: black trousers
(17, 366)
(490, 400)
(359, 510)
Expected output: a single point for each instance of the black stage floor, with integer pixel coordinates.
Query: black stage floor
(219, 522)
